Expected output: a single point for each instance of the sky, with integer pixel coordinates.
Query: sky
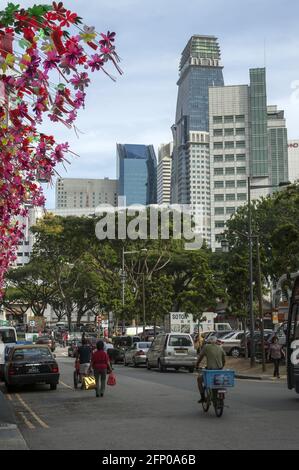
(140, 107)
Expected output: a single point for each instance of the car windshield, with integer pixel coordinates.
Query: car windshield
(144, 345)
(31, 354)
(179, 341)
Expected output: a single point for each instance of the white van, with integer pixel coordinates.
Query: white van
(8, 338)
(172, 350)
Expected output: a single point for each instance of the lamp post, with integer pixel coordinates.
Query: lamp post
(123, 281)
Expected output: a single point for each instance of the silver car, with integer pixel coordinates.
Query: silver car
(231, 343)
(172, 350)
(136, 355)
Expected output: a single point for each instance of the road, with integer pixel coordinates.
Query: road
(150, 410)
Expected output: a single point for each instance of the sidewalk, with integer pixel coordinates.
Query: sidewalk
(10, 436)
(244, 371)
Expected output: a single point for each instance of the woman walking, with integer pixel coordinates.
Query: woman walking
(276, 354)
(101, 365)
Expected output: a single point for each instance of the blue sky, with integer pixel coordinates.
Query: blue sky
(140, 106)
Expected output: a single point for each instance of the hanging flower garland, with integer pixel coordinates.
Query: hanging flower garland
(46, 55)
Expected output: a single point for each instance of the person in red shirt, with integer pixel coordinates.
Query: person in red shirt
(101, 365)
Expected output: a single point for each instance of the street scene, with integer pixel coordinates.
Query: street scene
(149, 226)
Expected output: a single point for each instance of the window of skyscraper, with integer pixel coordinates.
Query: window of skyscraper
(241, 144)
(217, 119)
(242, 183)
(241, 170)
(230, 197)
(240, 131)
(229, 158)
(229, 145)
(242, 197)
(218, 132)
(241, 157)
(219, 224)
(228, 119)
(218, 145)
(219, 197)
(230, 171)
(240, 118)
(228, 131)
(218, 184)
(218, 171)
(219, 210)
(230, 184)
(230, 210)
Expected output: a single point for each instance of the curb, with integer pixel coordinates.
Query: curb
(252, 377)
(10, 436)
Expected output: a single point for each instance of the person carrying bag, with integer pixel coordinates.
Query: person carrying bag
(100, 364)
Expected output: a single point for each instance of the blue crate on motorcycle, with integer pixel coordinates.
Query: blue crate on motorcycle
(219, 378)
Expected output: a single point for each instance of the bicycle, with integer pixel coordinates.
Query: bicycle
(215, 383)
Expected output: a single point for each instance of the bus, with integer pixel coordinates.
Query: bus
(8, 338)
(292, 339)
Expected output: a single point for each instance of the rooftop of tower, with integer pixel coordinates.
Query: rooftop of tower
(201, 47)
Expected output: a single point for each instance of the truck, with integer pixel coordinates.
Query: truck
(182, 322)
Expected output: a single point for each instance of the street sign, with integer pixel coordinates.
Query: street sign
(32, 323)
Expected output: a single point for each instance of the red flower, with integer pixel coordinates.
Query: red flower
(69, 19)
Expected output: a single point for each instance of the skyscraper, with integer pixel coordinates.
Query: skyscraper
(247, 138)
(199, 69)
(164, 173)
(137, 173)
(85, 193)
(293, 160)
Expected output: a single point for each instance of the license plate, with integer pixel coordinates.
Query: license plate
(181, 351)
(33, 370)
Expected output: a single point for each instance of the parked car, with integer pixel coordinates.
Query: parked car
(124, 342)
(73, 347)
(218, 334)
(48, 340)
(136, 355)
(257, 339)
(30, 365)
(231, 343)
(172, 350)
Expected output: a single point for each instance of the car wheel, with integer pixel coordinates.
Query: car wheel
(53, 386)
(176, 368)
(148, 365)
(161, 367)
(235, 352)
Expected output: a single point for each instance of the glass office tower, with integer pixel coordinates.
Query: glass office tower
(137, 173)
(199, 69)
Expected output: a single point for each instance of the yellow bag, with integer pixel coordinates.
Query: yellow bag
(88, 383)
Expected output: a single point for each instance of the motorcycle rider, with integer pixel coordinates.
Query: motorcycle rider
(215, 357)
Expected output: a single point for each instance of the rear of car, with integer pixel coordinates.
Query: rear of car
(30, 365)
(137, 354)
(173, 350)
(46, 340)
(8, 339)
(231, 343)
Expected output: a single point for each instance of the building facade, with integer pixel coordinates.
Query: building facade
(85, 193)
(25, 246)
(199, 69)
(229, 151)
(247, 139)
(293, 160)
(137, 173)
(164, 173)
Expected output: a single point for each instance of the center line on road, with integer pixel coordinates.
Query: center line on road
(33, 414)
(26, 421)
(65, 385)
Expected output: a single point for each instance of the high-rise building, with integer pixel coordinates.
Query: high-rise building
(84, 193)
(230, 150)
(137, 173)
(277, 146)
(247, 138)
(293, 160)
(199, 69)
(164, 173)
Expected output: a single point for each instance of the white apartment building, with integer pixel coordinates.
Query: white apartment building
(85, 193)
(26, 244)
(164, 173)
(229, 153)
(293, 158)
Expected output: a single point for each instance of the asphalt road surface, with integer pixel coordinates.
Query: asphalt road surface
(152, 410)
